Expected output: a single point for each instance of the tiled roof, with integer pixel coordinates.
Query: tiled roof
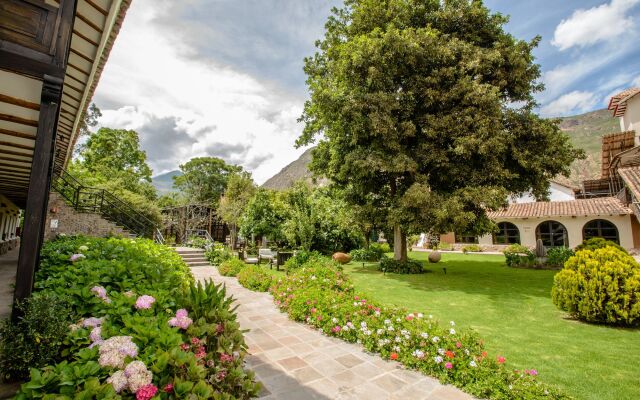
(618, 103)
(584, 207)
(612, 145)
(631, 178)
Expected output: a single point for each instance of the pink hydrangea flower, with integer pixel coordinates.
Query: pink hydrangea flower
(101, 292)
(181, 320)
(92, 322)
(138, 376)
(448, 365)
(76, 257)
(181, 313)
(226, 358)
(145, 302)
(168, 388)
(118, 380)
(115, 350)
(96, 335)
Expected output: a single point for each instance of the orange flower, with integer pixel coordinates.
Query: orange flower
(449, 354)
(394, 356)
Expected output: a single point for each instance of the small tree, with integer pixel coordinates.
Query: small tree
(264, 216)
(204, 179)
(240, 190)
(426, 106)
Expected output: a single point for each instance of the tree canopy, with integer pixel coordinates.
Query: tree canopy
(240, 189)
(204, 179)
(425, 108)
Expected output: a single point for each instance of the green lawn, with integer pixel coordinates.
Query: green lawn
(513, 312)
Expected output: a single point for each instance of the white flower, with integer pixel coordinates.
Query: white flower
(435, 339)
(345, 328)
(397, 339)
(396, 348)
(407, 337)
(313, 277)
(441, 352)
(350, 324)
(377, 312)
(398, 320)
(473, 364)
(387, 322)
(390, 328)
(334, 320)
(363, 324)
(418, 353)
(359, 341)
(437, 359)
(420, 315)
(380, 331)
(430, 316)
(452, 331)
(466, 351)
(355, 303)
(452, 323)
(424, 335)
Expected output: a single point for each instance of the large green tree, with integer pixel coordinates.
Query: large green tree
(240, 190)
(426, 109)
(264, 215)
(204, 179)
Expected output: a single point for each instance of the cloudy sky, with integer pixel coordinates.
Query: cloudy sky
(224, 78)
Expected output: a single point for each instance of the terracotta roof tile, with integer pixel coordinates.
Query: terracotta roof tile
(631, 178)
(583, 207)
(618, 103)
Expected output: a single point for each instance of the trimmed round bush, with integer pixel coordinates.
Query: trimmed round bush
(231, 267)
(598, 243)
(600, 286)
(255, 278)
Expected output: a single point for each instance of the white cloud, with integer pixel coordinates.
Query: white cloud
(636, 82)
(148, 79)
(594, 25)
(576, 102)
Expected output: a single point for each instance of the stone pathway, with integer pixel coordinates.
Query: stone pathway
(294, 361)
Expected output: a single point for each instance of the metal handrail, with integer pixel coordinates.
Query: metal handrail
(103, 202)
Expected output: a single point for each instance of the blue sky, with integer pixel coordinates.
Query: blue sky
(224, 77)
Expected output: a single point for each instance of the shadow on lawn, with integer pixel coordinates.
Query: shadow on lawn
(477, 276)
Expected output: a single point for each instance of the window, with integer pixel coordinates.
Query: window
(553, 234)
(508, 234)
(601, 228)
(466, 238)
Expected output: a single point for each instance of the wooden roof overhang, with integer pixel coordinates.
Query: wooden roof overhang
(30, 54)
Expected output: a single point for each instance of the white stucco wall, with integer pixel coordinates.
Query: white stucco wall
(630, 121)
(573, 225)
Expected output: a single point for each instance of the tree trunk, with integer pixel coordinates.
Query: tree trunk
(399, 244)
(234, 236)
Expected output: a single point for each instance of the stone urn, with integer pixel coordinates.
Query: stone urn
(434, 256)
(341, 258)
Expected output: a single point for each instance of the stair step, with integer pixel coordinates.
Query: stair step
(199, 264)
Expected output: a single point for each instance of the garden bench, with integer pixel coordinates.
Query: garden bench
(266, 254)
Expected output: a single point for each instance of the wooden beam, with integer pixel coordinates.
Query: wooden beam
(15, 153)
(16, 145)
(19, 102)
(39, 185)
(18, 120)
(23, 135)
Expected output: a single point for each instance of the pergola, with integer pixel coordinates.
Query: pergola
(52, 53)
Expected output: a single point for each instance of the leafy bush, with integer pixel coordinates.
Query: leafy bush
(218, 253)
(324, 298)
(598, 243)
(36, 339)
(142, 327)
(517, 255)
(371, 254)
(390, 265)
(198, 242)
(255, 278)
(472, 248)
(557, 256)
(444, 246)
(302, 257)
(601, 285)
(381, 247)
(231, 267)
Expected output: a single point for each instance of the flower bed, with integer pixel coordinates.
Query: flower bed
(140, 326)
(325, 298)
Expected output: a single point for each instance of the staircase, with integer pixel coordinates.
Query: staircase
(193, 257)
(99, 201)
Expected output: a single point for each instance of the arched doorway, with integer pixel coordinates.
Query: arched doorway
(508, 233)
(553, 234)
(601, 228)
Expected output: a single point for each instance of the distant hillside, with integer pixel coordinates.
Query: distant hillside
(292, 173)
(164, 182)
(585, 131)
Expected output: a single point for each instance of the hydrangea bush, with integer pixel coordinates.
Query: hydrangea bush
(142, 327)
(324, 297)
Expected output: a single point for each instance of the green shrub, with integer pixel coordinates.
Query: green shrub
(557, 256)
(444, 246)
(36, 339)
(218, 253)
(381, 247)
(231, 267)
(390, 265)
(302, 257)
(598, 243)
(517, 255)
(143, 295)
(601, 285)
(198, 242)
(371, 254)
(255, 278)
(325, 299)
(472, 248)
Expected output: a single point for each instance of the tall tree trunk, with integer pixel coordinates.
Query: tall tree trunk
(399, 244)
(234, 236)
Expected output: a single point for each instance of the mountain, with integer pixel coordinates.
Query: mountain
(585, 131)
(164, 182)
(292, 173)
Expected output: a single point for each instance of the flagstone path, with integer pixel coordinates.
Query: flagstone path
(294, 361)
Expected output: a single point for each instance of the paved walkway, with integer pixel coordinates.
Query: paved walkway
(294, 361)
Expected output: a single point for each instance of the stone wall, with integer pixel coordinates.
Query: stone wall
(71, 222)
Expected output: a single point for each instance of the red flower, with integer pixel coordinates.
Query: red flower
(184, 346)
(449, 354)
(409, 317)
(226, 357)
(219, 329)
(394, 356)
(195, 340)
(484, 354)
(146, 392)
(501, 360)
(458, 344)
(168, 388)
